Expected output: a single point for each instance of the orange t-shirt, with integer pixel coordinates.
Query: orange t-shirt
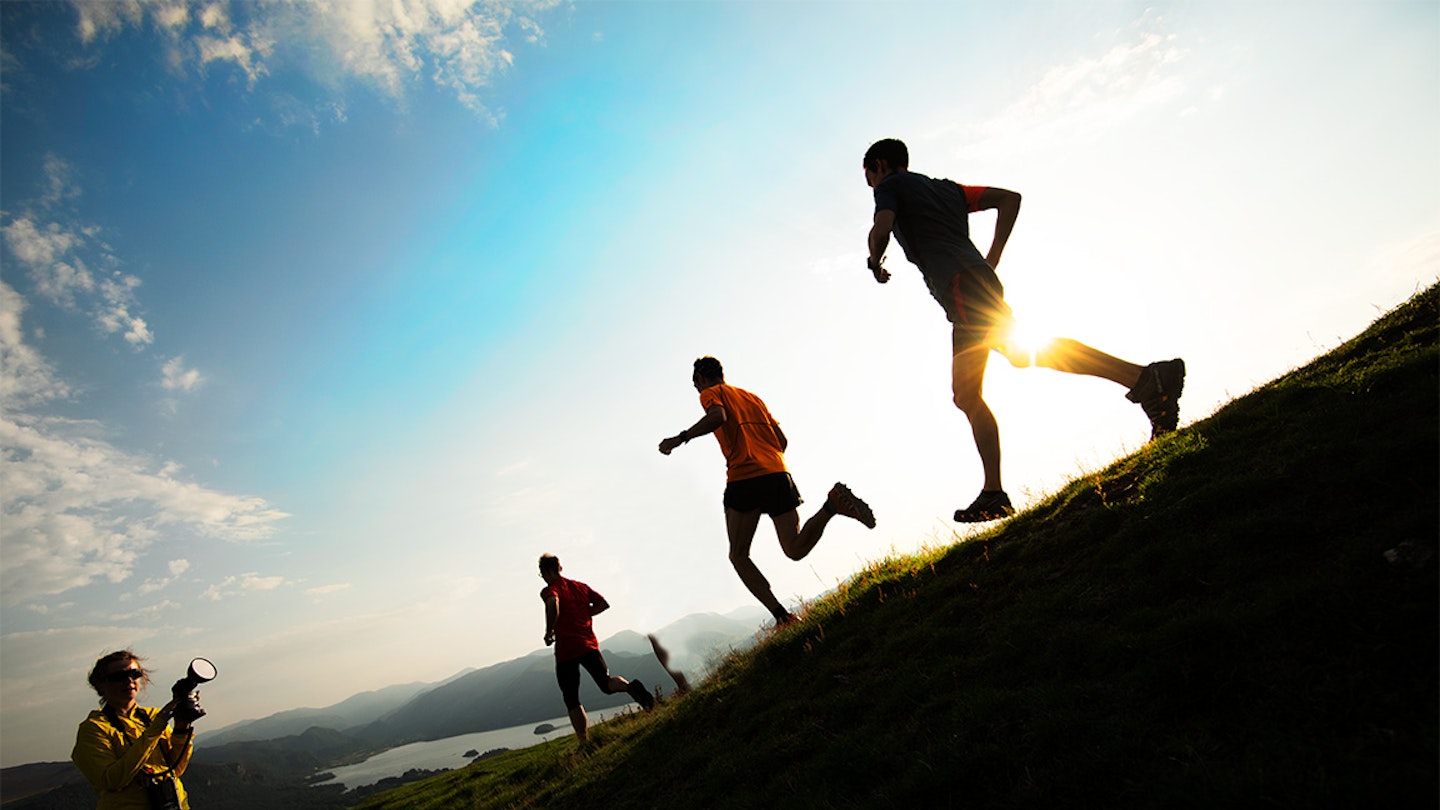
(747, 438)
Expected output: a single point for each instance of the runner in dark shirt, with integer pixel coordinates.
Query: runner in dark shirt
(928, 217)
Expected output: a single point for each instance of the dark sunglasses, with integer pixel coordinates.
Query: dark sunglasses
(125, 675)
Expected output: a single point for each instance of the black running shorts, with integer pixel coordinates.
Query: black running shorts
(773, 494)
(977, 312)
(567, 674)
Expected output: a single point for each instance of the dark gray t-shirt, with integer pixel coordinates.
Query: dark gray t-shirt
(932, 226)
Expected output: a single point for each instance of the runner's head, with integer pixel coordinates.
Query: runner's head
(707, 368)
(549, 565)
(883, 158)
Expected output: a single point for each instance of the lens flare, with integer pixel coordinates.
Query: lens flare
(1021, 344)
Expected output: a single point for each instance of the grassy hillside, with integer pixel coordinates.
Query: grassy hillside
(1241, 613)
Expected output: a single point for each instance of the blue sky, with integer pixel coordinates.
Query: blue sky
(320, 322)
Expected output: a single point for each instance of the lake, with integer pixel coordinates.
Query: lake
(450, 752)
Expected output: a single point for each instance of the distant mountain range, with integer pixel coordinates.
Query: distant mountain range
(267, 762)
(510, 693)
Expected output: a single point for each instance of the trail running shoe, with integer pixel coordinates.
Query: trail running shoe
(991, 505)
(1158, 392)
(844, 502)
(642, 695)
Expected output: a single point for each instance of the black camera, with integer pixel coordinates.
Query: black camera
(187, 707)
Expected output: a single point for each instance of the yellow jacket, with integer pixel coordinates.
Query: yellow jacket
(113, 757)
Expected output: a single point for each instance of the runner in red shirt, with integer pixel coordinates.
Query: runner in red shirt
(756, 479)
(569, 606)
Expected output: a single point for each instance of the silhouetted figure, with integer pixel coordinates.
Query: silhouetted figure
(569, 606)
(756, 479)
(663, 656)
(929, 218)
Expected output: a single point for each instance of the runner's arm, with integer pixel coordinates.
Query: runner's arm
(780, 436)
(552, 612)
(878, 241)
(713, 418)
(1007, 205)
(598, 605)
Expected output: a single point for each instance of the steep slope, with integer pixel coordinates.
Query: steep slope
(1241, 613)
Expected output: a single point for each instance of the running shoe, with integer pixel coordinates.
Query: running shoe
(1158, 392)
(844, 502)
(642, 695)
(992, 504)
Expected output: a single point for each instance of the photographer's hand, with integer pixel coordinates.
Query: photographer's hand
(188, 710)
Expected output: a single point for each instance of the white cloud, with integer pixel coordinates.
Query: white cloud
(148, 613)
(117, 298)
(98, 20)
(459, 45)
(41, 248)
(238, 585)
(50, 252)
(1084, 99)
(176, 377)
(75, 508)
(25, 377)
(324, 590)
(176, 567)
(233, 49)
(60, 182)
(172, 15)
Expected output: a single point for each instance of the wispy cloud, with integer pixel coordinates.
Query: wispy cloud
(25, 377)
(176, 377)
(70, 266)
(75, 508)
(1087, 97)
(326, 590)
(176, 567)
(233, 586)
(459, 45)
(147, 614)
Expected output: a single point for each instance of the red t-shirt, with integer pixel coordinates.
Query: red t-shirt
(574, 635)
(748, 437)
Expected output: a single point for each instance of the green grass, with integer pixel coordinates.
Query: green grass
(1212, 621)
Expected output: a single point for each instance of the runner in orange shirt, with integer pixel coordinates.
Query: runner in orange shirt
(757, 481)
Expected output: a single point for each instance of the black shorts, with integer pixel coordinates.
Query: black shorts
(773, 494)
(567, 674)
(975, 305)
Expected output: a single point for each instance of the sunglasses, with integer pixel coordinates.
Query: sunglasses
(125, 675)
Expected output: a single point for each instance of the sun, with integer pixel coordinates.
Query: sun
(1022, 342)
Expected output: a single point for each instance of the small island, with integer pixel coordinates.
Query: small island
(544, 728)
